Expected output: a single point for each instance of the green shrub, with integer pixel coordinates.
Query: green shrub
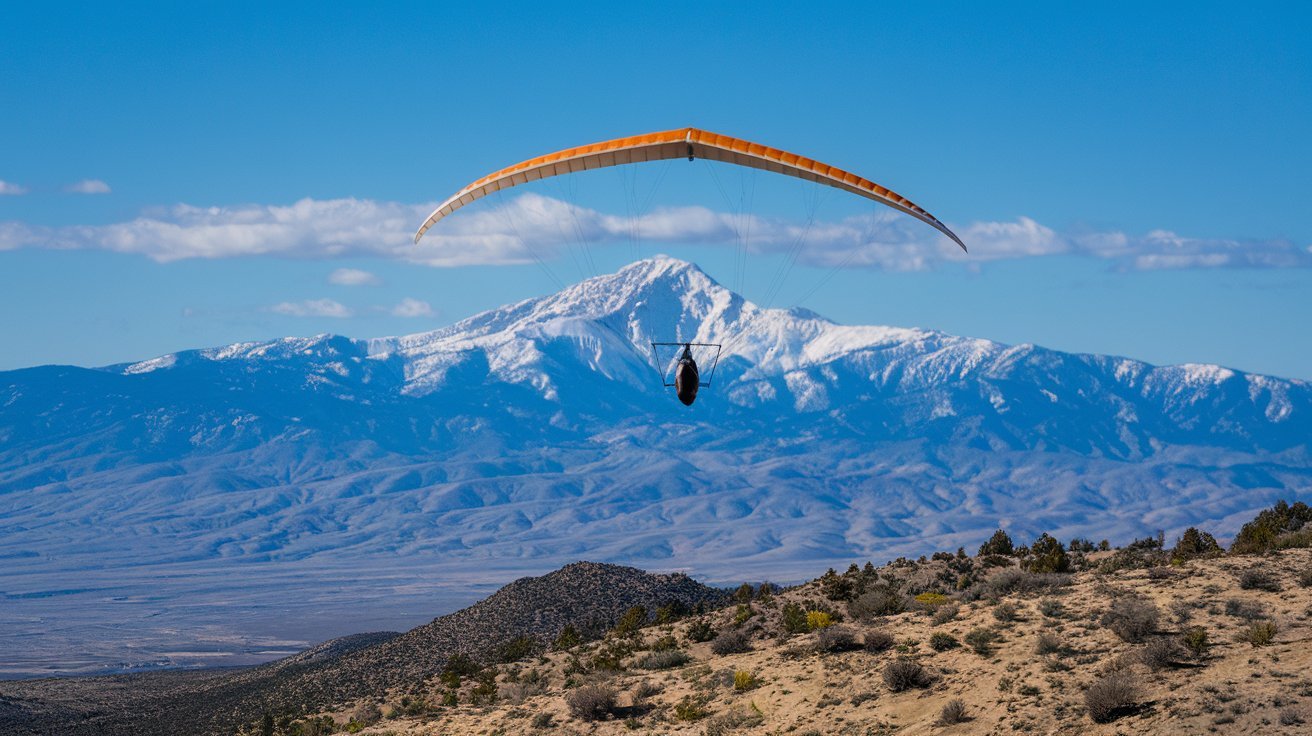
(700, 631)
(932, 601)
(690, 709)
(521, 647)
(941, 641)
(1195, 641)
(1259, 634)
(744, 680)
(818, 620)
(743, 614)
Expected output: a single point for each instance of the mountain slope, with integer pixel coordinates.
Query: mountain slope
(538, 433)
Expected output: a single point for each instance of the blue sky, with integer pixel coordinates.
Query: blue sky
(1132, 180)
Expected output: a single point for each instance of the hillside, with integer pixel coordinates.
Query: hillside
(1212, 644)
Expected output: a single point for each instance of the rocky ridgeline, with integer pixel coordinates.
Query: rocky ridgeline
(587, 595)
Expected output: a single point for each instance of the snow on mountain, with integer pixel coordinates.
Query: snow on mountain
(293, 474)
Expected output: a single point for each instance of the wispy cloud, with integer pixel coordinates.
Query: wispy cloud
(532, 226)
(410, 307)
(353, 277)
(88, 186)
(313, 308)
(10, 188)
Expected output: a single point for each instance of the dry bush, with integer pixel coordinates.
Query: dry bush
(1258, 579)
(878, 640)
(904, 674)
(1110, 696)
(516, 693)
(941, 641)
(878, 602)
(591, 702)
(945, 613)
(664, 660)
(1240, 608)
(1132, 619)
(1291, 717)
(646, 689)
(1305, 578)
(1052, 608)
(1048, 643)
(367, 714)
(836, 639)
(954, 712)
(1160, 653)
(731, 642)
(1019, 582)
(731, 721)
(1006, 612)
(981, 640)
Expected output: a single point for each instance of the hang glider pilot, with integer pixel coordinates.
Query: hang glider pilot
(686, 377)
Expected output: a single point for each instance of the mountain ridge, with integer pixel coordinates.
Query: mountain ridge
(528, 436)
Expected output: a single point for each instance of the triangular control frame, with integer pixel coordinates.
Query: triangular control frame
(715, 362)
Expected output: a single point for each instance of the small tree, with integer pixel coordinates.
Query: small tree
(837, 587)
(794, 619)
(998, 544)
(568, 638)
(1048, 556)
(632, 620)
(1194, 543)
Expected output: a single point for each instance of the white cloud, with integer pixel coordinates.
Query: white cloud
(88, 186)
(532, 226)
(10, 188)
(353, 277)
(313, 308)
(410, 307)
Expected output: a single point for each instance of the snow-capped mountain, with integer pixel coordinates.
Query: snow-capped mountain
(539, 433)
